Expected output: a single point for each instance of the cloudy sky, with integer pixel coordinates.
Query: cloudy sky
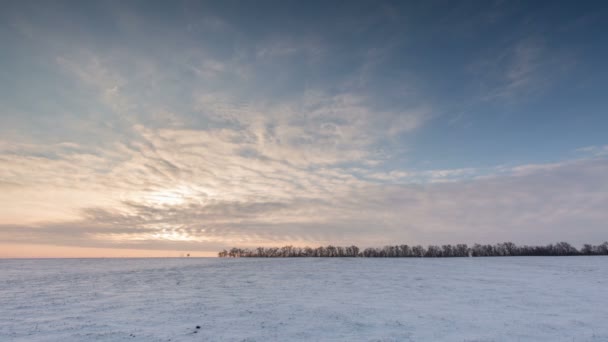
(154, 129)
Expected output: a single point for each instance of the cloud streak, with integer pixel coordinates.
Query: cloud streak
(192, 187)
(194, 127)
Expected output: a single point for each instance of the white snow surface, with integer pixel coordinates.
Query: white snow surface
(308, 299)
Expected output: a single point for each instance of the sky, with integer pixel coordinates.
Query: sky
(142, 128)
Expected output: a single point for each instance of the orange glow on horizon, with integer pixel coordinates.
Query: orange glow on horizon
(35, 251)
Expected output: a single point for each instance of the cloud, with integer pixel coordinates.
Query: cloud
(201, 131)
(595, 151)
(519, 69)
(204, 149)
(251, 206)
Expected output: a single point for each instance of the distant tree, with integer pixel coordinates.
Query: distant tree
(405, 251)
(602, 249)
(461, 250)
(587, 249)
(432, 251)
(418, 251)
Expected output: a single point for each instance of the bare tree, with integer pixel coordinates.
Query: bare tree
(432, 251)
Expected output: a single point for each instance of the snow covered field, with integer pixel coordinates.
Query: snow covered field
(462, 299)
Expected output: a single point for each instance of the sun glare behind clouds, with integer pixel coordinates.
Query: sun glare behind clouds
(188, 126)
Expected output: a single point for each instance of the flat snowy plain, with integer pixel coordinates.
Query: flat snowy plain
(460, 299)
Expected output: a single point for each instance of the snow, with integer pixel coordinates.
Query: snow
(327, 299)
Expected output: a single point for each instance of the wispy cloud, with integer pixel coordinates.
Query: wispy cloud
(197, 128)
(520, 69)
(186, 187)
(596, 151)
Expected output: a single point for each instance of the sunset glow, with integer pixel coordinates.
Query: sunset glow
(129, 129)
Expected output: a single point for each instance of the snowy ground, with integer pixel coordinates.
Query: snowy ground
(464, 299)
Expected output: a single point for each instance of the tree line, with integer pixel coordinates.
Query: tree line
(405, 251)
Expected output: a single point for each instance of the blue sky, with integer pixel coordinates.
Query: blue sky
(198, 125)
